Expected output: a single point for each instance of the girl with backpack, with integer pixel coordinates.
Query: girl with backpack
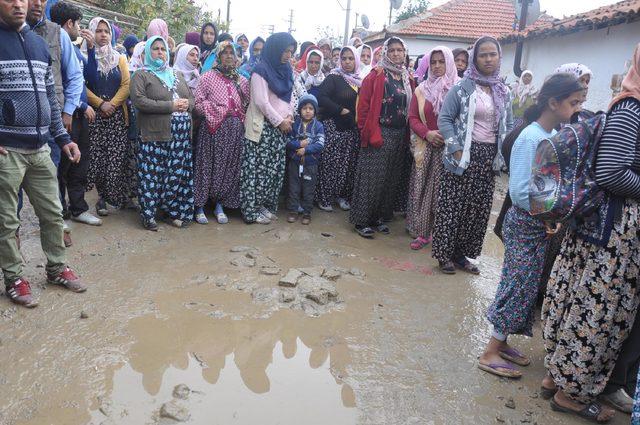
(593, 294)
(525, 237)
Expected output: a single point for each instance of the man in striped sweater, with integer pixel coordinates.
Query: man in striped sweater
(30, 115)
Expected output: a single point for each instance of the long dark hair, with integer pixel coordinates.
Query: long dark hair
(558, 87)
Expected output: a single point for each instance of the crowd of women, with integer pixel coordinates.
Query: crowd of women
(181, 127)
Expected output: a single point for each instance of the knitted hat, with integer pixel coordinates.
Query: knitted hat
(308, 98)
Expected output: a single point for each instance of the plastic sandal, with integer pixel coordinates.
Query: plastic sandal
(419, 243)
(492, 368)
(590, 412)
(515, 356)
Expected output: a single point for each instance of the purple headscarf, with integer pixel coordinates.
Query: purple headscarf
(499, 90)
(192, 38)
(352, 78)
(423, 67)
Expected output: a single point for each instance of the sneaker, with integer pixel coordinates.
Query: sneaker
(306, 219)
(268, 214)
(88, 218)
(262, 219)
(222, 218)
(293, 217)
(325, 207)
(344, 205)
(19, 292)
(201, 218)
(101, 208)
(68, 279)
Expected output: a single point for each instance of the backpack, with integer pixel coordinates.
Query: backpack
(563, 184)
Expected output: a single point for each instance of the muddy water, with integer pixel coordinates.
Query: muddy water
(398, 347)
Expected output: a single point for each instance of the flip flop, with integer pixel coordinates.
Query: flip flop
(590, 412)
(515, 356)
(492, 368)
(419, 243)
(467, 267)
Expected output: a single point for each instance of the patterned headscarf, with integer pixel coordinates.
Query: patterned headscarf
(631, 83)
(374, 62)
(577, 69)
(312, 80)
(435, 88)
(230, 72)
(107, 57)
(159, 67)
(397, 69)
(352, 78)
(499, 90)
(137, 58)
(187, 69)
(158, 27)
(423, 67)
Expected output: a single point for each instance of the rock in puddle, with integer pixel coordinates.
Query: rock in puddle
(181, 391)
(244, 261)
(290, 280)
(84, 315)
(241, 248)
(270, 270)
(500, 419)
(332, 274)
(221, 281)
(510, 403)
(175, 411)
(262, 295)
(315, 271)
(357, 272)
(287, 295)
(318, 289)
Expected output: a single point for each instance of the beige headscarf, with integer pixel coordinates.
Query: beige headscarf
(107, 57)
(631, 83)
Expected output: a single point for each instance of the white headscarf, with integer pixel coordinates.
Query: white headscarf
(312, 80)
(525, 91)
(107, 57)
(576, 69)
(190, 72)
(365, 69)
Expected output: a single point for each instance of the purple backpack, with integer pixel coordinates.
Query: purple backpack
(563, 183)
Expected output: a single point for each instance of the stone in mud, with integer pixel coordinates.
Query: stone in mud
(356, 272)
(173, 410)
(241, 248)
(199, 279)
(332, 274)
(290, 280)
(287, 296)
(317, 289)
(181, 391)
(510, 403)
(270, 270)
(262, 295)
(243, 262)
(316, 271)
(221, 281)
(500, 419)
(283, 235)
(84, 315)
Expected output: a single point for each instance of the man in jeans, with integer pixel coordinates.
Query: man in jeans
(30, 116)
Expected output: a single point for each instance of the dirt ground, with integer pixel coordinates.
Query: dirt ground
(175, 325)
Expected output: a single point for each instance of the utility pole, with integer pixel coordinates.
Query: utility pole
(228, 14)
(517, 70)
(291, 21)
(346, 23)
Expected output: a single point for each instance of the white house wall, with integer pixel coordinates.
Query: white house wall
(418, 46)
(604, 51)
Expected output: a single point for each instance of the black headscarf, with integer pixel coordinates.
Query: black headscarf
(206, 49)
(224, 36)
(279, 76)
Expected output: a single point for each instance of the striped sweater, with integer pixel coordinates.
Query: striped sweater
(618, 160)
(30, 112)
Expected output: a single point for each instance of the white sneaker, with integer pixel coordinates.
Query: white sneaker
(222, 218)
(262, 219)
(268, 214)
(344, 205)
(87, 218)
(201, 218)
(327, 208)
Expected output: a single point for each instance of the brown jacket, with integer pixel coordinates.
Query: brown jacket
(154, 104)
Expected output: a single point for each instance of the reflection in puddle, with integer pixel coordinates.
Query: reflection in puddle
(295, 391)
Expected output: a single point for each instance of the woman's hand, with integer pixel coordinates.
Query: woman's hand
(286, 125)
(435, 138)
(552, 229)
(345, 111)
(107, 109)
(180, 105)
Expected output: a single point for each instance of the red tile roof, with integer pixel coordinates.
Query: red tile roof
(614, 14)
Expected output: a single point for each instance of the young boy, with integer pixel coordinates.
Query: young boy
(303, 150)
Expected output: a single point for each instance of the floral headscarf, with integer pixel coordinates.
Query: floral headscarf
(137, 58)
(230, 72)
(435, 88)
(577, 69)
(107, 57)
(400, 70)
(159, 67)
(190, 72)
(352, 78)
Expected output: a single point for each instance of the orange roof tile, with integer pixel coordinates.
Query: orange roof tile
(614, 14)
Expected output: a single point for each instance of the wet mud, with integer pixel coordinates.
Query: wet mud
(196, 326)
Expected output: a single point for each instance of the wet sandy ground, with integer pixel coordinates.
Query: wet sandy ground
(399, 346)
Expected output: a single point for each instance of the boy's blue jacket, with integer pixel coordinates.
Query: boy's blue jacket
(314, 132)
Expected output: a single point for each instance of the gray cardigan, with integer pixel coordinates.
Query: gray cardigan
(154, 104)
(456, 121)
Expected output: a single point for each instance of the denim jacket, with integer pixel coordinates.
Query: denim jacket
(456, 122)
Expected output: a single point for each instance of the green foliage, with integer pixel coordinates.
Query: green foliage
(412, 8)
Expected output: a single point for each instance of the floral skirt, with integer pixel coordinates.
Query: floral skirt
(337, 167)
(635, 418)
(262, 174)
(165, 174)
(423, 193)
(525, 244)
(217, 167)
(464, 206)
(112, 166)
(590, 307)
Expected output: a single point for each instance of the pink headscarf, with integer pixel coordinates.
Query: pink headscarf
(423, 66)
(374, 62)
(435, 88)
(158, 27)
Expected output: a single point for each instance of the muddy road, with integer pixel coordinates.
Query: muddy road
(193, 326)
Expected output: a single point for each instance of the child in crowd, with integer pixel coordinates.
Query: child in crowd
(306, 142)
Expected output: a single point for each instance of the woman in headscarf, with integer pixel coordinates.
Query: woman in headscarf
(377, 55)
(269, 119)
(524, 95)
(355, 42)
(461, 57)
(473, 155)
(427, 144)
(107, 78)
(222, 99)
(311, 77)
(325, 47)
(164, 103)
(137, 57)
(187, 60)
(242, 41)
(255, 50)
(382, 116)
(158, 27)
(593, 294)
(211, 59)
(337, 99)
(129, 43)
(421, 70)
(366, 56)
(584, 74)
(208, 40)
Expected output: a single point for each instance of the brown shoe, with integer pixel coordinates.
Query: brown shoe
(19, 292)
(292, 217)
(68, 279)
(306, 219)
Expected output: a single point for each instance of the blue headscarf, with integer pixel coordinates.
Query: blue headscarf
(279, 76)
(130, 42)
(247, 69)
(157, 66)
